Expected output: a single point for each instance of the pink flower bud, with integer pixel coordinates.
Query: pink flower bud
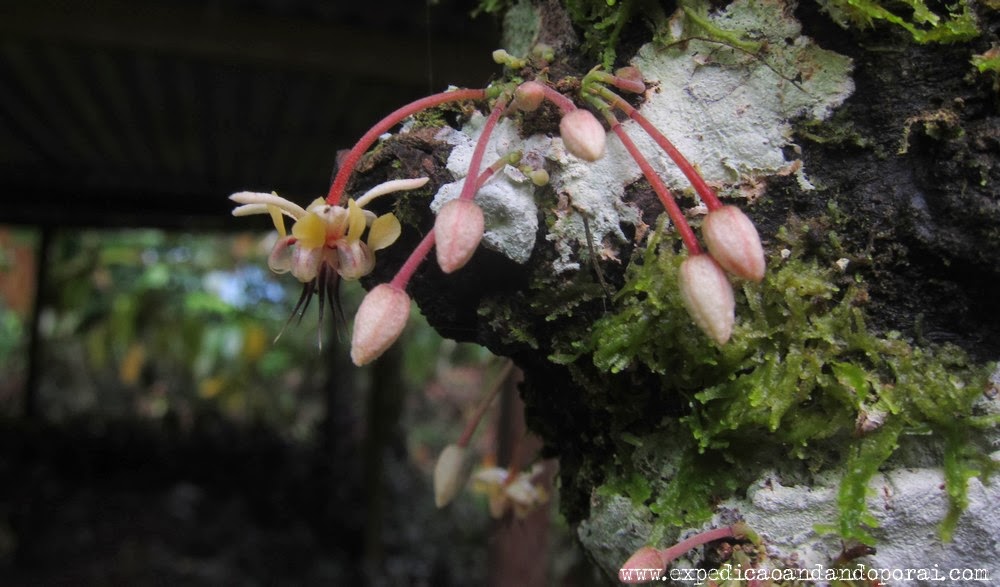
(582, 134)
(733, 241)
(528, 96)
(450, 474)
(379, 322)
(457, 232)
(646, 558)
(708, 296)
(632, 79)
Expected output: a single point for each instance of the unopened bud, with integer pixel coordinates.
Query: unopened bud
(457, 232)
(379, 322)
(501, 57)
(646, 558)
(708, 296)
(733, 241)
(528, 96)
(450, 474)
(582, 134)
(539, 177)
(544, 52)
(632, 78)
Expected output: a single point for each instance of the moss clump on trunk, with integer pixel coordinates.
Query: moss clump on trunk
(802, 378)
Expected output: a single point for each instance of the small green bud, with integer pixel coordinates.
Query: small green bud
(539, 177)
(543, 52)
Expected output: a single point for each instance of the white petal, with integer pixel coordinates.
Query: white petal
(260, 198)
(250, 209)
(393, 185)
(491, 476)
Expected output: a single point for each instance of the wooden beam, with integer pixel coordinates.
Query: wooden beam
(215, 33)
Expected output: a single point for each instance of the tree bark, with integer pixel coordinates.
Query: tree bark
(894, 184)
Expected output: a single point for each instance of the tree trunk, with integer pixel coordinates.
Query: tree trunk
(855, 387)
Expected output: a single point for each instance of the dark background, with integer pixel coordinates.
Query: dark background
(124, 114)
(150, 112)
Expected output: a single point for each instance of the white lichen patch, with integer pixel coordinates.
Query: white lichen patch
(908, 503)
(729, 112)
(593, 190)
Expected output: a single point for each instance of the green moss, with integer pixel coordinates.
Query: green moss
(802, 378)
(988, 61)
(602, 22)
(838, 130)
(434, 117)
(492, 7)
(502, 318)
(916, 17)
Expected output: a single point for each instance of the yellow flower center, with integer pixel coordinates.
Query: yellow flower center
(310, 231)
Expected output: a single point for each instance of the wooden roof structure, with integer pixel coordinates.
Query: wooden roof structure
(150, 112)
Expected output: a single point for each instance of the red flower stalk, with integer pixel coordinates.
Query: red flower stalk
(628, 79)
(484, 404)
(730, 235)
(451, 470)
(459, 224)
(336, 193)
(649, 557)
(564, 104)
(676, 215)
(706, 193)
(472, 184)
(409, 267)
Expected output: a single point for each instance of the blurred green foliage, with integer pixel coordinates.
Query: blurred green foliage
(170, 325)
(166, 324)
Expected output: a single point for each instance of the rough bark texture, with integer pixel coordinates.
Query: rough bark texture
(905, 174)
(917, 181)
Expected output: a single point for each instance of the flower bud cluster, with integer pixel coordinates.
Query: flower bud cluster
(734, 247)
(325, 240)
